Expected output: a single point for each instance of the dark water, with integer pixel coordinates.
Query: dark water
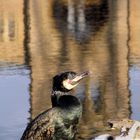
(39, 39)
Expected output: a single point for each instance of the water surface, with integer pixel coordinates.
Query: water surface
(47, 37)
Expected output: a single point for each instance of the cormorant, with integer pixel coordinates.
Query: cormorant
(60, 121)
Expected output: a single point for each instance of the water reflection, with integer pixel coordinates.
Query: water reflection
(55, 47)
(79, 19)
(14, 84)
(14, 74)
(11, 32)
(54, 36)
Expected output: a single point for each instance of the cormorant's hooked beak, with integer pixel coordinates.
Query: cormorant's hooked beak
(71, 83)
(79, 77)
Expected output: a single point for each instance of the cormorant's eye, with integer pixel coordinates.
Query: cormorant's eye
(111, 125)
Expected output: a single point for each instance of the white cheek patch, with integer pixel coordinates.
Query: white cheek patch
(67, 85)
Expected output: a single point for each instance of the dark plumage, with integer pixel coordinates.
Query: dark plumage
(59, 122)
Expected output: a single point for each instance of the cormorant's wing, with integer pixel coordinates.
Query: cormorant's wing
(42, 127)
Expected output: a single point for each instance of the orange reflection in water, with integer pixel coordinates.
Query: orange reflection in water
(55, 36)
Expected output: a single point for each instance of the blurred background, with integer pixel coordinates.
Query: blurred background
(40, 38)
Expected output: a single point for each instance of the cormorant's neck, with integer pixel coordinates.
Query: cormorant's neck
(68, 102)
(64, 100)
(55, 97)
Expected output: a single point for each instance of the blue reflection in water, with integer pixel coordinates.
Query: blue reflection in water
(14, 101)
(135, 92)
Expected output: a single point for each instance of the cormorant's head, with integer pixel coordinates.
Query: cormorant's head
(66, 81)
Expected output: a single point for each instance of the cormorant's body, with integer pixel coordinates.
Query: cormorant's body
(59, 122)
(55, 123)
